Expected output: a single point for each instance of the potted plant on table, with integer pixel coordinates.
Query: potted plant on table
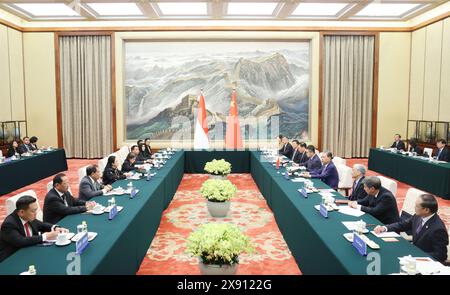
(218, 193)
(218, 246)
(218, 169)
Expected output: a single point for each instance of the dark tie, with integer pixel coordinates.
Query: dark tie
(293, 155)
(285, 147)
(440, 151)
(63, 197)
(419, 227)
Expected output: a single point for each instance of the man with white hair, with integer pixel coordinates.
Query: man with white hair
(358, 175)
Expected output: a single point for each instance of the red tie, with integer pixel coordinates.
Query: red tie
(27, 230)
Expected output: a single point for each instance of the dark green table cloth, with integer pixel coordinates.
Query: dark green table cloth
(122, 242)
(415, 171)
(316, 243)
(27, 170)
(195, 160)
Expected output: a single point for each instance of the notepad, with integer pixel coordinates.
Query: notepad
(388, 234)
(350, 211)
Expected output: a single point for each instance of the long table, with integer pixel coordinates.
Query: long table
(415, 171)
(317, 244)
(27, 170)
(121, 243)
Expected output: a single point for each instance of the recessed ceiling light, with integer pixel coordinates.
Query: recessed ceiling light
(183, 8)
(387, 9)
(115, 9)
(251, 8)
(318, 9)
(46, 9)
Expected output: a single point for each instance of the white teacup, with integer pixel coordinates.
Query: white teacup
(62, 238)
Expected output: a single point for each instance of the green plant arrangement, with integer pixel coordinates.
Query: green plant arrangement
(217, 190)
(218, 167)
(218, 243)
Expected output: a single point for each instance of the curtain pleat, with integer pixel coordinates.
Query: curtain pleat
(347, 95)
(86, 95)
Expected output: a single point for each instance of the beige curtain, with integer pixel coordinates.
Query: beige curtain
(347, 99)
(85, 67)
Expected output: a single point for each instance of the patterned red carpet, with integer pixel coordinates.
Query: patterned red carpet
(249, 211)
(188, 210)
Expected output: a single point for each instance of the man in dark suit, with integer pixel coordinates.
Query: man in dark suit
(313, 163)
(89, 185)
(59, 202)
(327, 173)
(21, 228)
(443, 153)
(286, 148)
(414, 147)
(303, 158)
(140, 159)
(380, 203)
(398, 143)
(428, 230)
(295, 154)
(358, 175)
(25, 147)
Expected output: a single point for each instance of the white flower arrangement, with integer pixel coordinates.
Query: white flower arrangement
(218, 167)
(217, 190)
(218, 243)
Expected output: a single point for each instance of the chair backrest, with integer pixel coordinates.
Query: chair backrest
(410, 200)
(317, 152)
(429, 151)
(82, 173)
(123, 153)
(339, 161)
(102, 164)
(389, 184)
(11, 203)
(345, 176)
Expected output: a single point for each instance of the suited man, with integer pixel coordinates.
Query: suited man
(380, 203)
(443, 153)
(414, 147)
(21, 228)
(295, 154)
(428, 230)
(398, 143)
(358, 175)
(327, 173)
(89, 185)
(303, 158)
(286, 148)
(130, 163)
(313, 163)
(59, 202)
(140, 159)
(25, 147)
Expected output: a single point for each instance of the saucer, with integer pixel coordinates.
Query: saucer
(67, 242)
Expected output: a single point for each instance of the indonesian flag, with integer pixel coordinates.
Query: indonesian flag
(233, 138)
(201, 140)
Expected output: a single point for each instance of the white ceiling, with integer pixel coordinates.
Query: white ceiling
(285, 10)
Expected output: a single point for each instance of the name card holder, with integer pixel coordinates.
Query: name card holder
(323, 210)
(82, 243)
(112, 212)
(303, 192)
(359, 244)
(133, 193)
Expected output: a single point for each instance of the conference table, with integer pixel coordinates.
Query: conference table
(16, 174)
(317, 243)
(416, 171)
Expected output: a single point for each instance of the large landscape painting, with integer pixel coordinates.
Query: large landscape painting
(163, 81)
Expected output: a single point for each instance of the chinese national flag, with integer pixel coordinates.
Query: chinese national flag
(233, 138)
(278, 163)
